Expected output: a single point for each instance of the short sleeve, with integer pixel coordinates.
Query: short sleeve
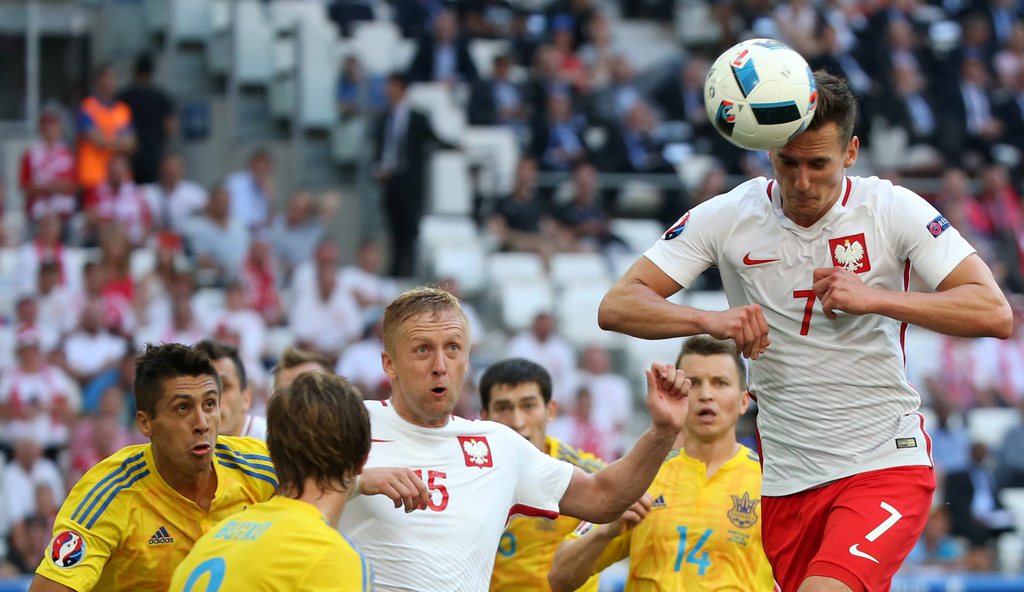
(924, 236)
(688, 247)
(542, 480)
(80, 547)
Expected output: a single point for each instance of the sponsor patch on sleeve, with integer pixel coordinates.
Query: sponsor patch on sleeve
(938, 225)
(677, 228)
(67, 549)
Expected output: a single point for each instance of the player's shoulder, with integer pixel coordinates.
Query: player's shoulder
(110, 484)
(248, 458)
(878, 192)
(243, 445)
(750, 198)
(570, 454)
(749, 458)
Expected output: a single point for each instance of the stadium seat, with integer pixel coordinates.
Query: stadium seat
(989, 425)
(522, 300)
(463, 262)
(483, 52)
(1010, 552)
(436, 230)
(450, 191)
(507, 269)
(579, 269)
(576, 311)
(639, 234)
(252, 43)
(495, 150)
(706, 299)
(375, 43)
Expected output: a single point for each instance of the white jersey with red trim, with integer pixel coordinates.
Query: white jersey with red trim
(479, 473)
(832, 395)
(255, 426)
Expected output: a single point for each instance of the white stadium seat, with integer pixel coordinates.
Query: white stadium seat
(639, 234)
(463, 262)
(522, 300)
(989, 425)
(579, 269)
(450, 191)
(507, 269)
(576, 311)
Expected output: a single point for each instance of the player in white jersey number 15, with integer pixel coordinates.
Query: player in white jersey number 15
(477, 473)
(816, 266)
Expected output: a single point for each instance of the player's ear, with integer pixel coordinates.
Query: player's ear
(744, 402)
(388, 365)
(851, 152)
(143, 421)
(552, 410)
(247, 398)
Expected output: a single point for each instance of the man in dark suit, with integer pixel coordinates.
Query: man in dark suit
(403, 138)
(973, 500)
(444, 56)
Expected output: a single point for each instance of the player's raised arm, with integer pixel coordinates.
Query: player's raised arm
(968, 302)
(603, 496)
(636, 305)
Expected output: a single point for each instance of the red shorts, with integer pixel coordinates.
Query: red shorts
(857, 530)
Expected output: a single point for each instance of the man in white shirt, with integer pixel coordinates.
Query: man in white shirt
(253, 191)
(328, 318)
(611, 397)
(92, 349)
(816, 267)
(477, 473)
(173, 199)
(27, 470)
(235, 394)
(542, 344)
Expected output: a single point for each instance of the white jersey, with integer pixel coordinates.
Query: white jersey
(255, 427)
(832, 395)
(479, 474)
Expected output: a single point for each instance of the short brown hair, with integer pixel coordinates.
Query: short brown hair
(318, 428)
(835, 103)
(165, 361)
(705, 345)
(423, 300)
(293, 356)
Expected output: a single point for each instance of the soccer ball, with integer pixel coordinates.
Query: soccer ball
(759, 94)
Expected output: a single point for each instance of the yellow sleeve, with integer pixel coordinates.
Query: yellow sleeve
(338, 569)
(86, 532)
(251, 455)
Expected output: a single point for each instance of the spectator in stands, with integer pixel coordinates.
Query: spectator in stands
(558, 137)
(38, 400)
(971, 127)
(403, 137)
(118, 283)
(1002, 221)
(117, 381)
(797, 21)
(295, 361)
(33, 532)
(364, 281)
(937, 550)
(55, 302)
(1009, 61)
(104, 129)
(836, 58)
(359, 92)
(151, 302)
(544, 80)
(26, 470)
(326, 255)
(543, 345)
(912, 109)
(152, 117)
(413, 17)
(360, 362)
(597, 53)
(47, 176)
(173, 199)
(611, 399)
(578, 428)
(92, 349)
(581, 12)
(500, 100)
(95, 437)
(117, 201)
(219, 240)
(957, 382)
(571, 68)
(973, 499)
(46, 246)
(1010, 468)
(327, 319)
(26, 315)
(260, 276)
(490, 19)
(584, 220)
(297, 232)
(622, 94)
(443, 56)
(184, 327)
(951, 443)
(520, 221)
(1010, 110)
(253, 191)
(245, 322)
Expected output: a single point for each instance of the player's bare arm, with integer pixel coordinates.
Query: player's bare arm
(636, 305)
(603, 496)
(402, 486)
(576, 559)
(42, 584)
(968, 302)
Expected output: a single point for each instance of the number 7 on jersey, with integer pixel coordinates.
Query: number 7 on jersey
(805, 326)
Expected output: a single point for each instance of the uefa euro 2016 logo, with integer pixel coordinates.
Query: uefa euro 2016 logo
(743, 513)
(67, 549)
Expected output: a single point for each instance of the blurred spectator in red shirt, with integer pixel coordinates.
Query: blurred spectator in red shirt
(118, 201)
(48, 172)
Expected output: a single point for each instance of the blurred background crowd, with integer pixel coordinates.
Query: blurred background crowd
(271, 173)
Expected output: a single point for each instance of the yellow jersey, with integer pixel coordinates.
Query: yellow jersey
(702, 533)
(282, 544)
(123, 527)
(528, 544)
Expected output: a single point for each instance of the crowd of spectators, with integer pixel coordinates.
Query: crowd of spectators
(242, 260)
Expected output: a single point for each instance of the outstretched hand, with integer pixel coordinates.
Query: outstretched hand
(402, 486)
(667, 396)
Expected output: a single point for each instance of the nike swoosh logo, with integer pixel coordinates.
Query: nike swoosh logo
(376, 440)
(748, 261)
(858, 553)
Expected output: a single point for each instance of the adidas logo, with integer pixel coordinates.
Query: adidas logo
(659, 502)
(161, 537)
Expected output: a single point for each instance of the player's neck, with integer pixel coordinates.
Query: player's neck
(329, 502)
(714, 453)
(197, 487)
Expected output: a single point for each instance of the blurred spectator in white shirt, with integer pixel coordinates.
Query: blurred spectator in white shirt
(46, 246)
(173, 199)
(543, 345)
(360, 363)
(371, 290)
(328, 318)
(92, 349)
(27, 470)
(253, 191)
(611, 399)
(296, 233)
(238, 318)
(219, 241)
(38, 400)
(56, 302)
